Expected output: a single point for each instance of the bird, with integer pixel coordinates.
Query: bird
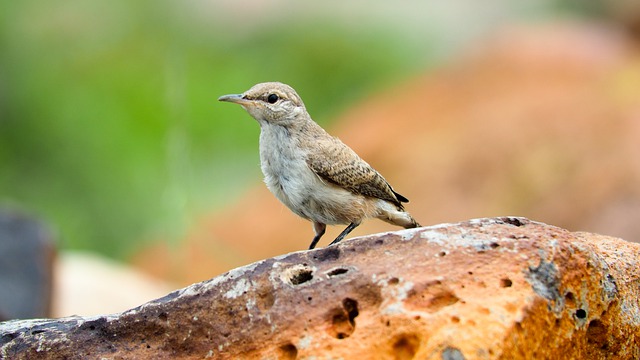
(313, 173)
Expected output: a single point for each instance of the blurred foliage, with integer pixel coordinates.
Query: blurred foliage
(109, 124)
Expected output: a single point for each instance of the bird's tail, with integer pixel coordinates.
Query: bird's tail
(412, 222)
(399, 218)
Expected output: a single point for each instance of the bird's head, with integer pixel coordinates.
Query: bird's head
(270, 103)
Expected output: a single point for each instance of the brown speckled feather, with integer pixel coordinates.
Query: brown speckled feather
(333, 161)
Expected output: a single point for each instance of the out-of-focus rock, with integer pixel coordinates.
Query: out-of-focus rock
(541, 121)
(90, 284)
(27, 252)
(503, 288)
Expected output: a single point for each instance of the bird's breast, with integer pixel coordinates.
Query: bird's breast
(291, 180)
(284, 165)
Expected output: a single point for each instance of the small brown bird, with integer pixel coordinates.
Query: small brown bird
(313, 173)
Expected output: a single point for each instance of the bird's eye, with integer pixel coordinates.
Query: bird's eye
(272, 98)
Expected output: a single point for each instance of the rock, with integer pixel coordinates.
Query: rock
(121, 287)
(500, 288)
(27, 252)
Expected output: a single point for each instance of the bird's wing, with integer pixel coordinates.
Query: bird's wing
(338, 164)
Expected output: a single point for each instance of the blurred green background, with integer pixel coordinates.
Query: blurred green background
(109, 125)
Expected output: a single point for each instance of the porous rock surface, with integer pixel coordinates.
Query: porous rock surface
(500, 288)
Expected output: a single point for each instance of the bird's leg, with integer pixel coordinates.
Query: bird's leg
(319, 229)
(344, 233)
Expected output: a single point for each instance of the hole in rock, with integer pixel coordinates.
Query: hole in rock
(494, 245)
(300, 276)
(336, 272)
(394, 281)
(288, 352)
(406, 346)
(506, 282)
(513, 221)
(597, 333)
(92, 325)
(581, 314)
(351, 307)
(343, 319)
(569, 298)
(163, 316)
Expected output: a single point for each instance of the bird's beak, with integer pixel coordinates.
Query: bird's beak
(233, 98)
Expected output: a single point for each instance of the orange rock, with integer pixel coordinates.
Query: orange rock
(502, 288)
